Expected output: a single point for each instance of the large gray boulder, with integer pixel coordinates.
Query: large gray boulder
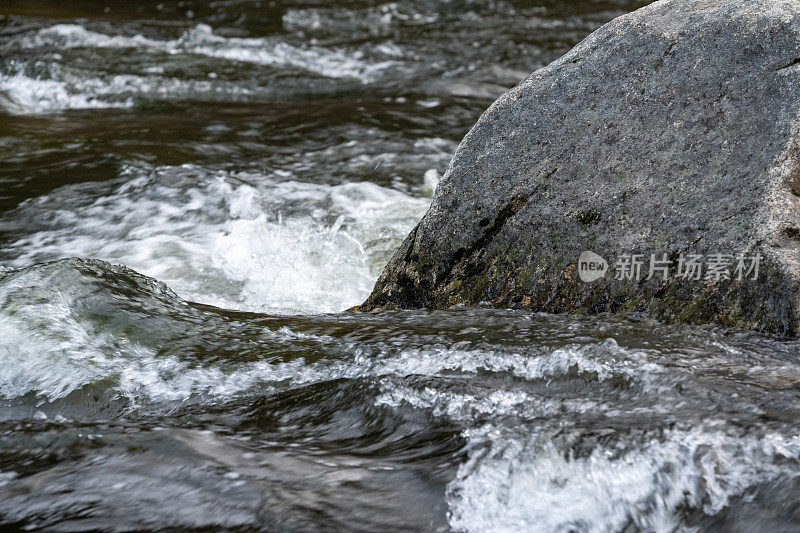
(671, 130)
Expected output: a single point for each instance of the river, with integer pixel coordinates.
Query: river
(192, 194)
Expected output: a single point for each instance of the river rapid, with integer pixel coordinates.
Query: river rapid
(192, 194)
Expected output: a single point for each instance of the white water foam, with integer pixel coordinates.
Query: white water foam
(50, 91)
(514, 483)
(234, 240)
(63, 355)
(45, 349)
(513, 480)
(201, 40)
(6, 478)
(605, 360)
(48, 347)
(20, 94)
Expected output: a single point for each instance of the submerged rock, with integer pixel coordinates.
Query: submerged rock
(671, 134)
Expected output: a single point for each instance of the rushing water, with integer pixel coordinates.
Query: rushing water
(253, 165)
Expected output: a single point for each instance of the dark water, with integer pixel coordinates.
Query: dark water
(256, 164)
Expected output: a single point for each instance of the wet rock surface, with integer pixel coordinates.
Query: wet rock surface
(670, 131)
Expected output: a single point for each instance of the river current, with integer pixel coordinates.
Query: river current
(192, 194)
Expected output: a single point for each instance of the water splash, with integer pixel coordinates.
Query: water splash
(511, 483)
(235, 240)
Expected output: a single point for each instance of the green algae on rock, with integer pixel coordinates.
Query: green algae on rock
(671, 131)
